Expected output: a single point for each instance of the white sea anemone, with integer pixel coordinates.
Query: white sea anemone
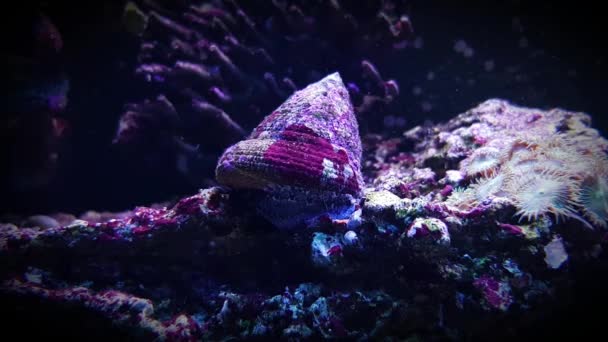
(537, 194)
(488, 186)
(462, 199)
(593, 198)
(520, 148)
(483, 161)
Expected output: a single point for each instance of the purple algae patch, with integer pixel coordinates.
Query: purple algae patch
(299, 157)
(189, 205)
(497, 294)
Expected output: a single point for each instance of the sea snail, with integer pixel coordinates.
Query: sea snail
(305, 157)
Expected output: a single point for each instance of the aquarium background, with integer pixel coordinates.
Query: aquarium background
(535, 54)
(539, 55)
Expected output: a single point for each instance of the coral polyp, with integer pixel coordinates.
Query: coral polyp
(538, 194)
(489, 186)
(594, 198)
(462, 199)
(539, 163)
(484, 161)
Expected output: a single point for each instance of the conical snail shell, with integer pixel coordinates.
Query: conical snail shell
(311, 141)
(310, 145)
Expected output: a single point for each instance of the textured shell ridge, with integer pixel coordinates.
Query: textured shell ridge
(309, 146)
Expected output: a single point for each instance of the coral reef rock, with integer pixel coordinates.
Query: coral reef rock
(472, 229)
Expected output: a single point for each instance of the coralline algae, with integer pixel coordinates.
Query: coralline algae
(305, 156)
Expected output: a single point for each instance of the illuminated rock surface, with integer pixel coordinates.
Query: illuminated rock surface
(433, 256)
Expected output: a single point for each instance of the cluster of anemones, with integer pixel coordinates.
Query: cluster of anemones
(560, 175)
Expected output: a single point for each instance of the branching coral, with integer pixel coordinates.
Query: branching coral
(222, 65)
